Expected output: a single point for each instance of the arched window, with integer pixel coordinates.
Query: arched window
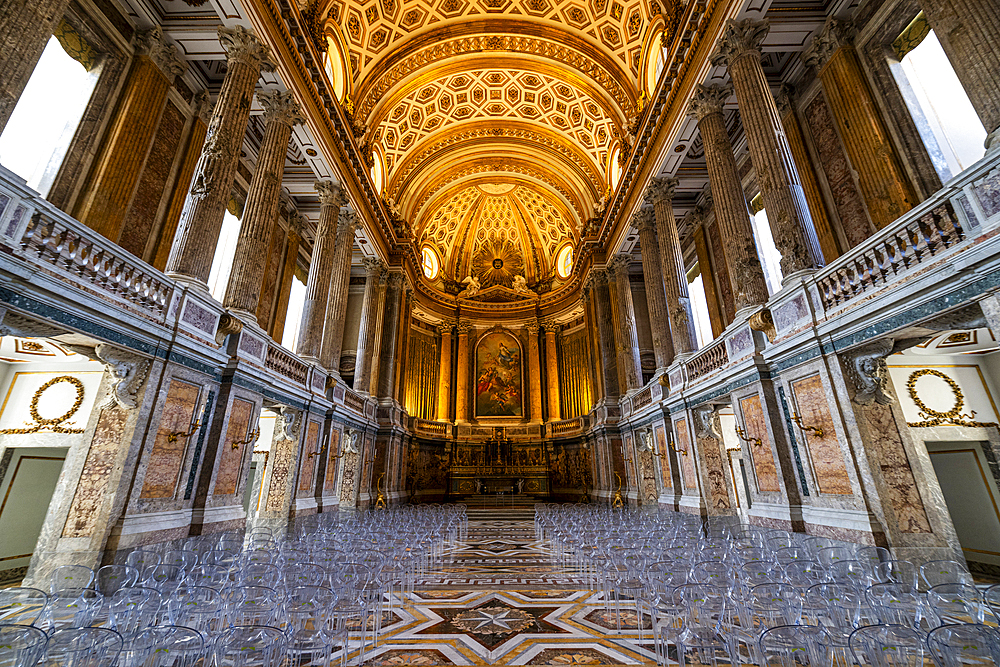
(429, 262)
(656, 58)
(564, 261)
(614, 168)
(336, 66)
(378, 171)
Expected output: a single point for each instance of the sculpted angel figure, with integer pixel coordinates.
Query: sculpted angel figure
(471, 286)
(521, 285)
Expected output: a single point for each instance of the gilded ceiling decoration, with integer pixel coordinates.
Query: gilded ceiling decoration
(497, 231)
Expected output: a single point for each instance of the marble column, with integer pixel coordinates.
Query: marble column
(605, 332)
(534, 372)
(340, 283)
(201, 220)
(320, 270)
(444, 373)
(656, 297)
(119, 165)
(552, 330)
(781, 189)
(292, 241)
(462, 373)
(389, 349)
(969, 32)
(745, 272)
(810, 183)
(708, 278)
(629, 370)
(281, 113)
(403, 352)
(883, 182)
(660, 194)
(587, 296)
(25, 29)
(375, 280)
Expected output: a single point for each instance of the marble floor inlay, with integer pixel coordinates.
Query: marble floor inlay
(499, 598)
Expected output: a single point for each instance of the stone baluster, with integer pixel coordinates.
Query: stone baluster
(444, 372)
(462, 373)
(534, 372)
(340, 283)
(784, 200)
(969, 32)
(281, 113)
(629, 370)
(660, 194)
(119, 165)
(320, 267)
(656, 296)
(886, 189)
(745, 272)
(389, 350)
(552, 332)
(201, 219)
(371, 318)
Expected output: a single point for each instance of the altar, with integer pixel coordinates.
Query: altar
(499, 466)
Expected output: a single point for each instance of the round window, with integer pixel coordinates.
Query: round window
(564, 261)
(429, 262)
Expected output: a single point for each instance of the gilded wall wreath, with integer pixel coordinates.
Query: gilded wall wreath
(932, 417)
(55, 424)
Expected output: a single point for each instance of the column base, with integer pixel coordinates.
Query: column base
(191, 283)
(244, 316)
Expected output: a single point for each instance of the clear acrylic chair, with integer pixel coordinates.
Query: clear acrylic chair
(889, 646)
(164, 646)
(961, 645)
(132, 610)
(164, 578)
(142, 559)
(956, 603)
(252, 605)
(899, 604)
(250, 646)
(73, 608)
(793, 646)
(112, 578)
(309, 628)
(22, 605)
(937, 572)
(198, 607)
(21, 645)
(71, 576)
(182, 558)
(83, 647)
(898, 572)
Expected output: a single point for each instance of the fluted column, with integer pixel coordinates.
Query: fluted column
(340, 282)
(294, 238)
(660, 194)
(629, 370)
(969, 32)
(587, 296)
(552, 368)
(745, 272)
(444, 373)
(25, 29)
(605, 324)
(884, 185)
(656, 296)
(281, 113)
(462, 373)
(715, 308)
(112, 183)
(780, 187)
(403, 352)
(371, 354)
(389, 349)
(534, 372)
(201, 220)
(320, 268)
(374, 277)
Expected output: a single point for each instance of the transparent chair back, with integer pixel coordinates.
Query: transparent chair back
(250, 646)
(83, 647)
(961, 645)
(889, 646)
(164, 646)
(792, 645)
(22, 605)
(21, 645)
(73, 608)
(197, 607)
(132, 610)
(71, 576)
(112, 578)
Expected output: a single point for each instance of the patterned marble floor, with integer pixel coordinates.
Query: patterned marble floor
(499, 599)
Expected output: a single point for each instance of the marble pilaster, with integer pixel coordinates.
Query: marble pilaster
(462, 373)
(629, 370)
(340, 283)
(781, 189)
(656, 298)
(534, 372)
(552, 330)
(745, 272)
(444, 373)
(201, 220)
(375, 281)
(281, 113)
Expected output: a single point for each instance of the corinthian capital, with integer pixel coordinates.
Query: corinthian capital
(709, 99)
(280, 107)
(151, 44)
(835, 34)
(660, 189)
(620, 264)
(242, 46)
(373, 267)
(644, 219)
(740, 38)
(329, 193)
(784, 99)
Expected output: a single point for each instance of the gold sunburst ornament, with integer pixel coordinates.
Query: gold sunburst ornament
(497, 262)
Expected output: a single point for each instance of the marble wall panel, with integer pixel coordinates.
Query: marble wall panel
(900, 484)
(648, 471)
(688, 474)
(825, 452)
(348, 478)
(307, 472)
(93, 485)
(331, 462)
(167, 458)
(661, 447)
(710, 455)
(231, 460)
(379, 463)
(282, 461)
(755, 423)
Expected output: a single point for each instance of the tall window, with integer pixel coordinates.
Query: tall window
(699, 310)
(293, 318)
(225, 253)
(944, 116)
(42, 125)
(770, 258)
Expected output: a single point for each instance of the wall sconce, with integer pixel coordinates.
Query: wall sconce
(743, 436)
(252, 438)
(174, 436)
(319, 453)
(798, 420)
